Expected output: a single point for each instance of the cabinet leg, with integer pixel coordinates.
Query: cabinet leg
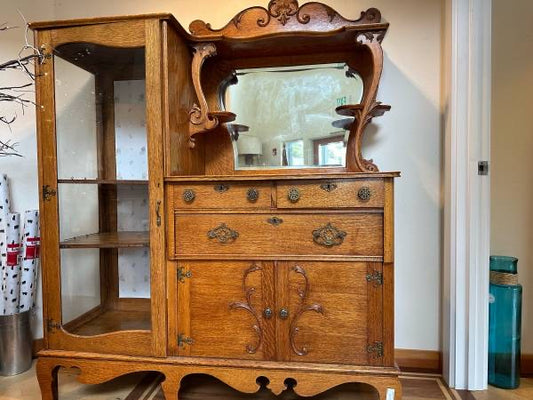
(47, 377)
(171, 387)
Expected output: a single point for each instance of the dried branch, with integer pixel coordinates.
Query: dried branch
(16, 93)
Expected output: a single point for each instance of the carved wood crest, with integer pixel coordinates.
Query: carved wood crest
(282, 15)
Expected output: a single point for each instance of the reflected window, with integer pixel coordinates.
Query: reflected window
(295, 153)
(330, 151)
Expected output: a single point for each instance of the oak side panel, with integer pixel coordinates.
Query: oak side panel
(375, 312)
(178, 99)
(388, 275)
(154, 71)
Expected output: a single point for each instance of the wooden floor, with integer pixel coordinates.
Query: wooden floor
(415, 387)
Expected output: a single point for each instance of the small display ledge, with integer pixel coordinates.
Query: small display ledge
(108, 240)
(105, 181)
(274, 176)
(354, 110)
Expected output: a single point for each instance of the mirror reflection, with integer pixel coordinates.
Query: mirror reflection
(286, 116)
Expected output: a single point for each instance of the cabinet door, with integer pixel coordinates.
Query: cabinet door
(100, 141)
(221, 309)
(329, 312)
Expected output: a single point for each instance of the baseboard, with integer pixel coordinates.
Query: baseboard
(426, 361)
(526, 365)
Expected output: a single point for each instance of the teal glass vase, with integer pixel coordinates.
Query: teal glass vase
(505, 312)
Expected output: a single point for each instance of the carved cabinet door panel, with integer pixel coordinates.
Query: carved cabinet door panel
(329, 312)
(222, 309)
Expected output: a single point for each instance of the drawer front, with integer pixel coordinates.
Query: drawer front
(219, 195)
(331, 194)
(359, 234)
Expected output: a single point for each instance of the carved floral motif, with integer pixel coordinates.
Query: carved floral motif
(247, 306)
(303, 293)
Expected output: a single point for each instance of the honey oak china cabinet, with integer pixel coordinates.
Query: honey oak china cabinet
(206, 205)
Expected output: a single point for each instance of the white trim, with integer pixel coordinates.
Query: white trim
(467, 195)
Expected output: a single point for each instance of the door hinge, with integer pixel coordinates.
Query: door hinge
(48, 192)
(376, 348)
(182, 274)
(184, 340)
(52, 325)
(376, 277)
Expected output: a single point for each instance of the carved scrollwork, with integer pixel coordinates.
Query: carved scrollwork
(199, 118)
(285, 14)
(247, 306)
(303, 293)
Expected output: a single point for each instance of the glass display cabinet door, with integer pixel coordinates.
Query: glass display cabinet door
(103, 301)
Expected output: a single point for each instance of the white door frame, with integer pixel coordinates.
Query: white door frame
(467, 194)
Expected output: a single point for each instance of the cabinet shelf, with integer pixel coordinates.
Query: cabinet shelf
(107, 321)
(353, 110)
(108, 240)
(105, 181)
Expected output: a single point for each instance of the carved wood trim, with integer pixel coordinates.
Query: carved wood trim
(284, 15)
(247, 306)
(200, 118)
(303, 293)
(370, 108)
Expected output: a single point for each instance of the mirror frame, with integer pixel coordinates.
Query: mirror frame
(286, 34)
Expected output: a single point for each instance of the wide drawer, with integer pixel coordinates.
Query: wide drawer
(219, 195)
(265, 234)
(331, 194)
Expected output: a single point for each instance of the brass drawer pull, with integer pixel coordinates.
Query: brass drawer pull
(221, 188)
(328, 186)
(284, 313)
(328, 236)
(252, 195)
(293, 194)
(364, 193)
(223, 234)
(276, 221)
(188, 195)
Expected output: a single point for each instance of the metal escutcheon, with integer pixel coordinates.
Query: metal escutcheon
(284, 313)
(293, 195)
(252, 195)
(267, 313)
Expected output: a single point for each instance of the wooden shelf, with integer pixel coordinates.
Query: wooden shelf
(107, 240)
(345, 123)
(104, 181)
(222, 116)
(111, 321)
(352, 110)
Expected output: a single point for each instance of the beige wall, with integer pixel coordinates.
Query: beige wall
(512, 145)
(409, 138)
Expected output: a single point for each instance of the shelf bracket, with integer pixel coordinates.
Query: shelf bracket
(48, 192)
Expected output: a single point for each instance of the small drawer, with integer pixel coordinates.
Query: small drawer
(220, 195)
(331, 194)
(265, 234)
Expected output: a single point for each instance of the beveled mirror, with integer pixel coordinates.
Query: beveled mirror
(285, 116)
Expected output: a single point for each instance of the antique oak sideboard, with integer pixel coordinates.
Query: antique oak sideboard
(206, 205)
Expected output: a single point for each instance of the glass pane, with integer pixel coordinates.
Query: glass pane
(103, 190)
(282, 112)
(75, 121)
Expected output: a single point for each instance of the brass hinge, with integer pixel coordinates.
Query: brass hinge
(183, 340)
(376, 277)
(52, 325)
(48, 192)
(182, 274)
(377, 348)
